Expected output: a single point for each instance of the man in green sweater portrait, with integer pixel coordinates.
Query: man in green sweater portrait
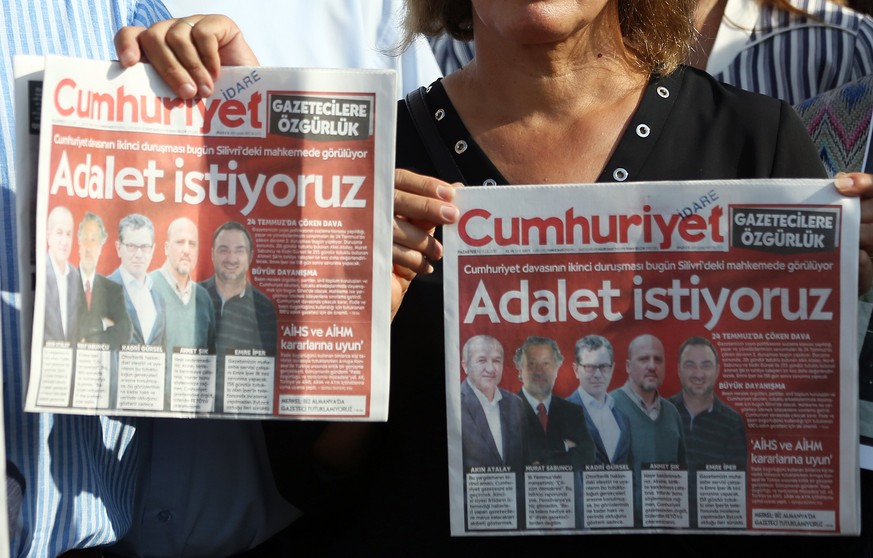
(657, 434)
(190, 313)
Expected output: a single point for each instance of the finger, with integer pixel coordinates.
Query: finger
(408, 262)
(188, 52)
(218, 34)
(127, 47)
(411, 236)
(423, 198)
(200, 62)
(217, 42)
(161, 50)
(420, 184)
(424, 209)
(854, 184)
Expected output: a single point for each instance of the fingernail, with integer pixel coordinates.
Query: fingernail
(444, 193)
(127, 58)
(449, 213)
(205, 90)
(843, 182)
(187, 90)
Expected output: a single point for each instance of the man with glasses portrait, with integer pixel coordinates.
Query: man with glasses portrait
(135, 247)
(608, 426)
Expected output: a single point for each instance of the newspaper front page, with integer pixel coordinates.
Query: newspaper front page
(660, 357)
(224, 256)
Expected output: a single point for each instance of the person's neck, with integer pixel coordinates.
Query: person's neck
(488, 393)
(648, 396)
(697, 404)
(514, 79)
(61, 266)
(181, 280)
(707, 20)
(138, 279)
(229, 289)
(575, 97)
(539, 398)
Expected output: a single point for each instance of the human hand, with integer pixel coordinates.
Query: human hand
(421, 203)
(859, 184)
(187, 52)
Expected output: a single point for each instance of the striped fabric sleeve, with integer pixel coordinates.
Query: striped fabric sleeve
(795, 58)
(863, 58)
(146, 13)
(78, 472)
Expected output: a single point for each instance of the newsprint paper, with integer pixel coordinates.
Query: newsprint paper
(693, 346)
(222, 257)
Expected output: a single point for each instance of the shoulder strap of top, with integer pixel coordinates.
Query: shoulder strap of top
(430, 136)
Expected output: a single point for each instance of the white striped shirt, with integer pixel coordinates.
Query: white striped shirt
(790, 57)
(79, 470)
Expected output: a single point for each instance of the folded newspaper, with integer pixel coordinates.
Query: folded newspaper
(680, 357)
(223, 256)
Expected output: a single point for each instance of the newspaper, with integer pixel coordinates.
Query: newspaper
(695, 344)
(226, 256)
